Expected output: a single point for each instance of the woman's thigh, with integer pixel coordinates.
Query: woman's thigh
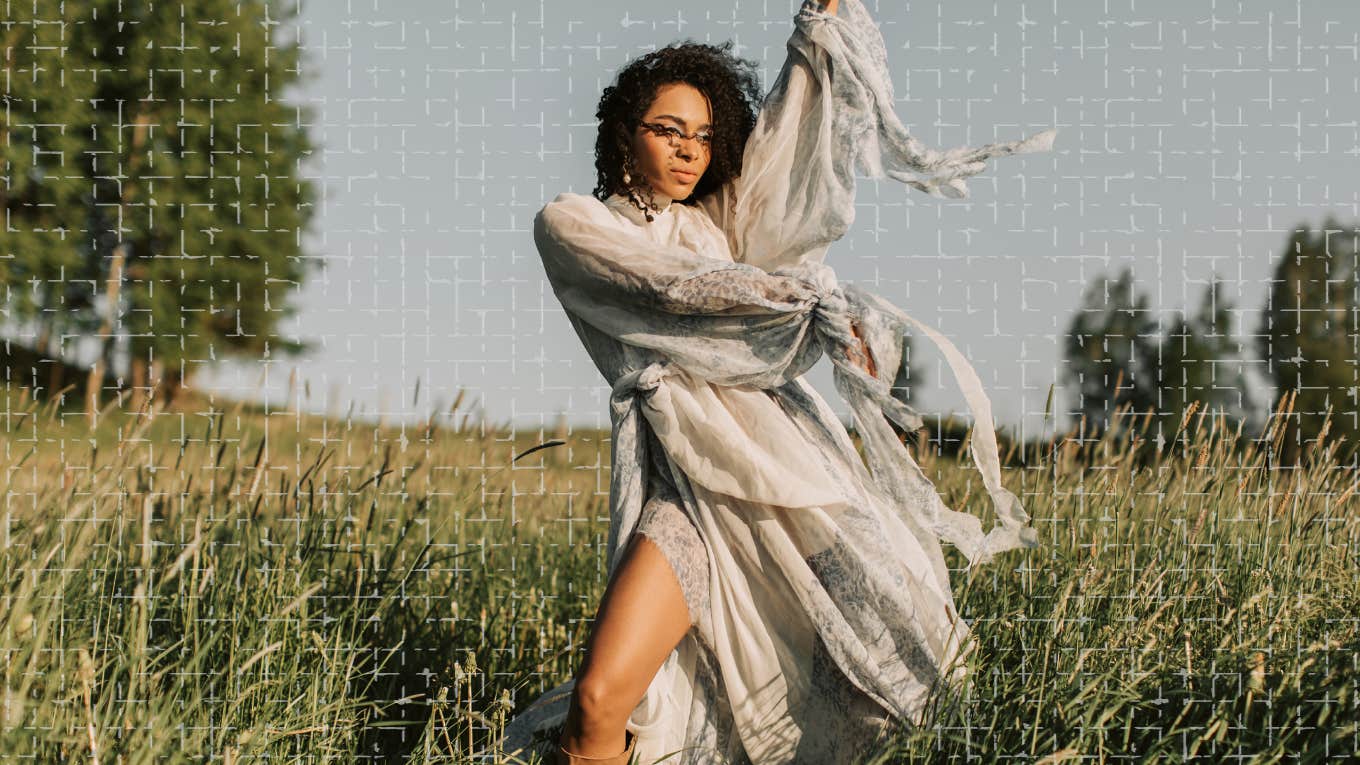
(666, 524)
(642, 616)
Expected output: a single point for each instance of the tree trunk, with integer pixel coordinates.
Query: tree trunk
(44, 337)
(138, 373)
(173, 383)
(140, 125)
(96, 378)
(55, 374)
(57, 379)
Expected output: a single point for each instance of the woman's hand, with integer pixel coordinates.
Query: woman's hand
(867, 358)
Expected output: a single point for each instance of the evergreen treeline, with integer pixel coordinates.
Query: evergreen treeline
(1305, 343)
(1132, 377)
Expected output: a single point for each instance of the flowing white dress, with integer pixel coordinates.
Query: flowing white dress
(828, 609)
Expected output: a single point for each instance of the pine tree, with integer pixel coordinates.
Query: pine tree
(1201, 361)
(1308, 334)
(1111, 353)
(909, 375)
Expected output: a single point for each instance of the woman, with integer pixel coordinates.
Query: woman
(771, 598)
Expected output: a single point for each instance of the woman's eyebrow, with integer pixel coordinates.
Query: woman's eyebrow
(677, 119)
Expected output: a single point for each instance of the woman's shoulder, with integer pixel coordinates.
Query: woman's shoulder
(568, 209)
(569, 206)
(569, 202)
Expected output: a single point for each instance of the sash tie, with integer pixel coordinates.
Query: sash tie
(870, 399)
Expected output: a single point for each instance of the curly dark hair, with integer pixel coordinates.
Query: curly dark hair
(733, 90)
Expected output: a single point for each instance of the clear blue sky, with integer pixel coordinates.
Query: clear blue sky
(1194, 135)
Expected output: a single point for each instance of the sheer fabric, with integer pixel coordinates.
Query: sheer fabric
(829, 612)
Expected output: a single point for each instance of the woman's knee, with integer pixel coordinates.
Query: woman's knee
(601, 699)
(642, 617)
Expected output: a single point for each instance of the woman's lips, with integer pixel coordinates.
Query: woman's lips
(684, 176)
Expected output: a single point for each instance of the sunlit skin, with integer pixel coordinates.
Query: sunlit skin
(687, 109)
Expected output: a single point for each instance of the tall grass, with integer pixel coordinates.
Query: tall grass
(194, 586)
(1203, 608)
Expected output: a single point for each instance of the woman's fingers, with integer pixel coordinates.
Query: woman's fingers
(867, 360)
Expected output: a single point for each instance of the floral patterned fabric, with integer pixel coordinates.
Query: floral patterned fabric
(664, 521)
(828, 612)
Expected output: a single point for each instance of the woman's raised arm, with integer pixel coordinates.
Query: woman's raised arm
(791, 198)
(829, 114)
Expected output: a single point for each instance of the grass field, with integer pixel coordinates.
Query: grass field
(231, 586)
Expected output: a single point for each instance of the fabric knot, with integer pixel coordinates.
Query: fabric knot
(649, 377)
(816, 275)
(832, 303)
(831, 313)
(645, 379)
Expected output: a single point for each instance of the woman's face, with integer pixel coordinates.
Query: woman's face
(685, 109)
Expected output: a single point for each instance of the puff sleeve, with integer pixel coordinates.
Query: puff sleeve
(730, 323)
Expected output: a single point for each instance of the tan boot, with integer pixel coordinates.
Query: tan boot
(622, 758)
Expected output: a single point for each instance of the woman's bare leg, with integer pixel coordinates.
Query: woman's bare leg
(642, 616)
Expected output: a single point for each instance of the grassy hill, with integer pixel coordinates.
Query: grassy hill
(233, 584)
